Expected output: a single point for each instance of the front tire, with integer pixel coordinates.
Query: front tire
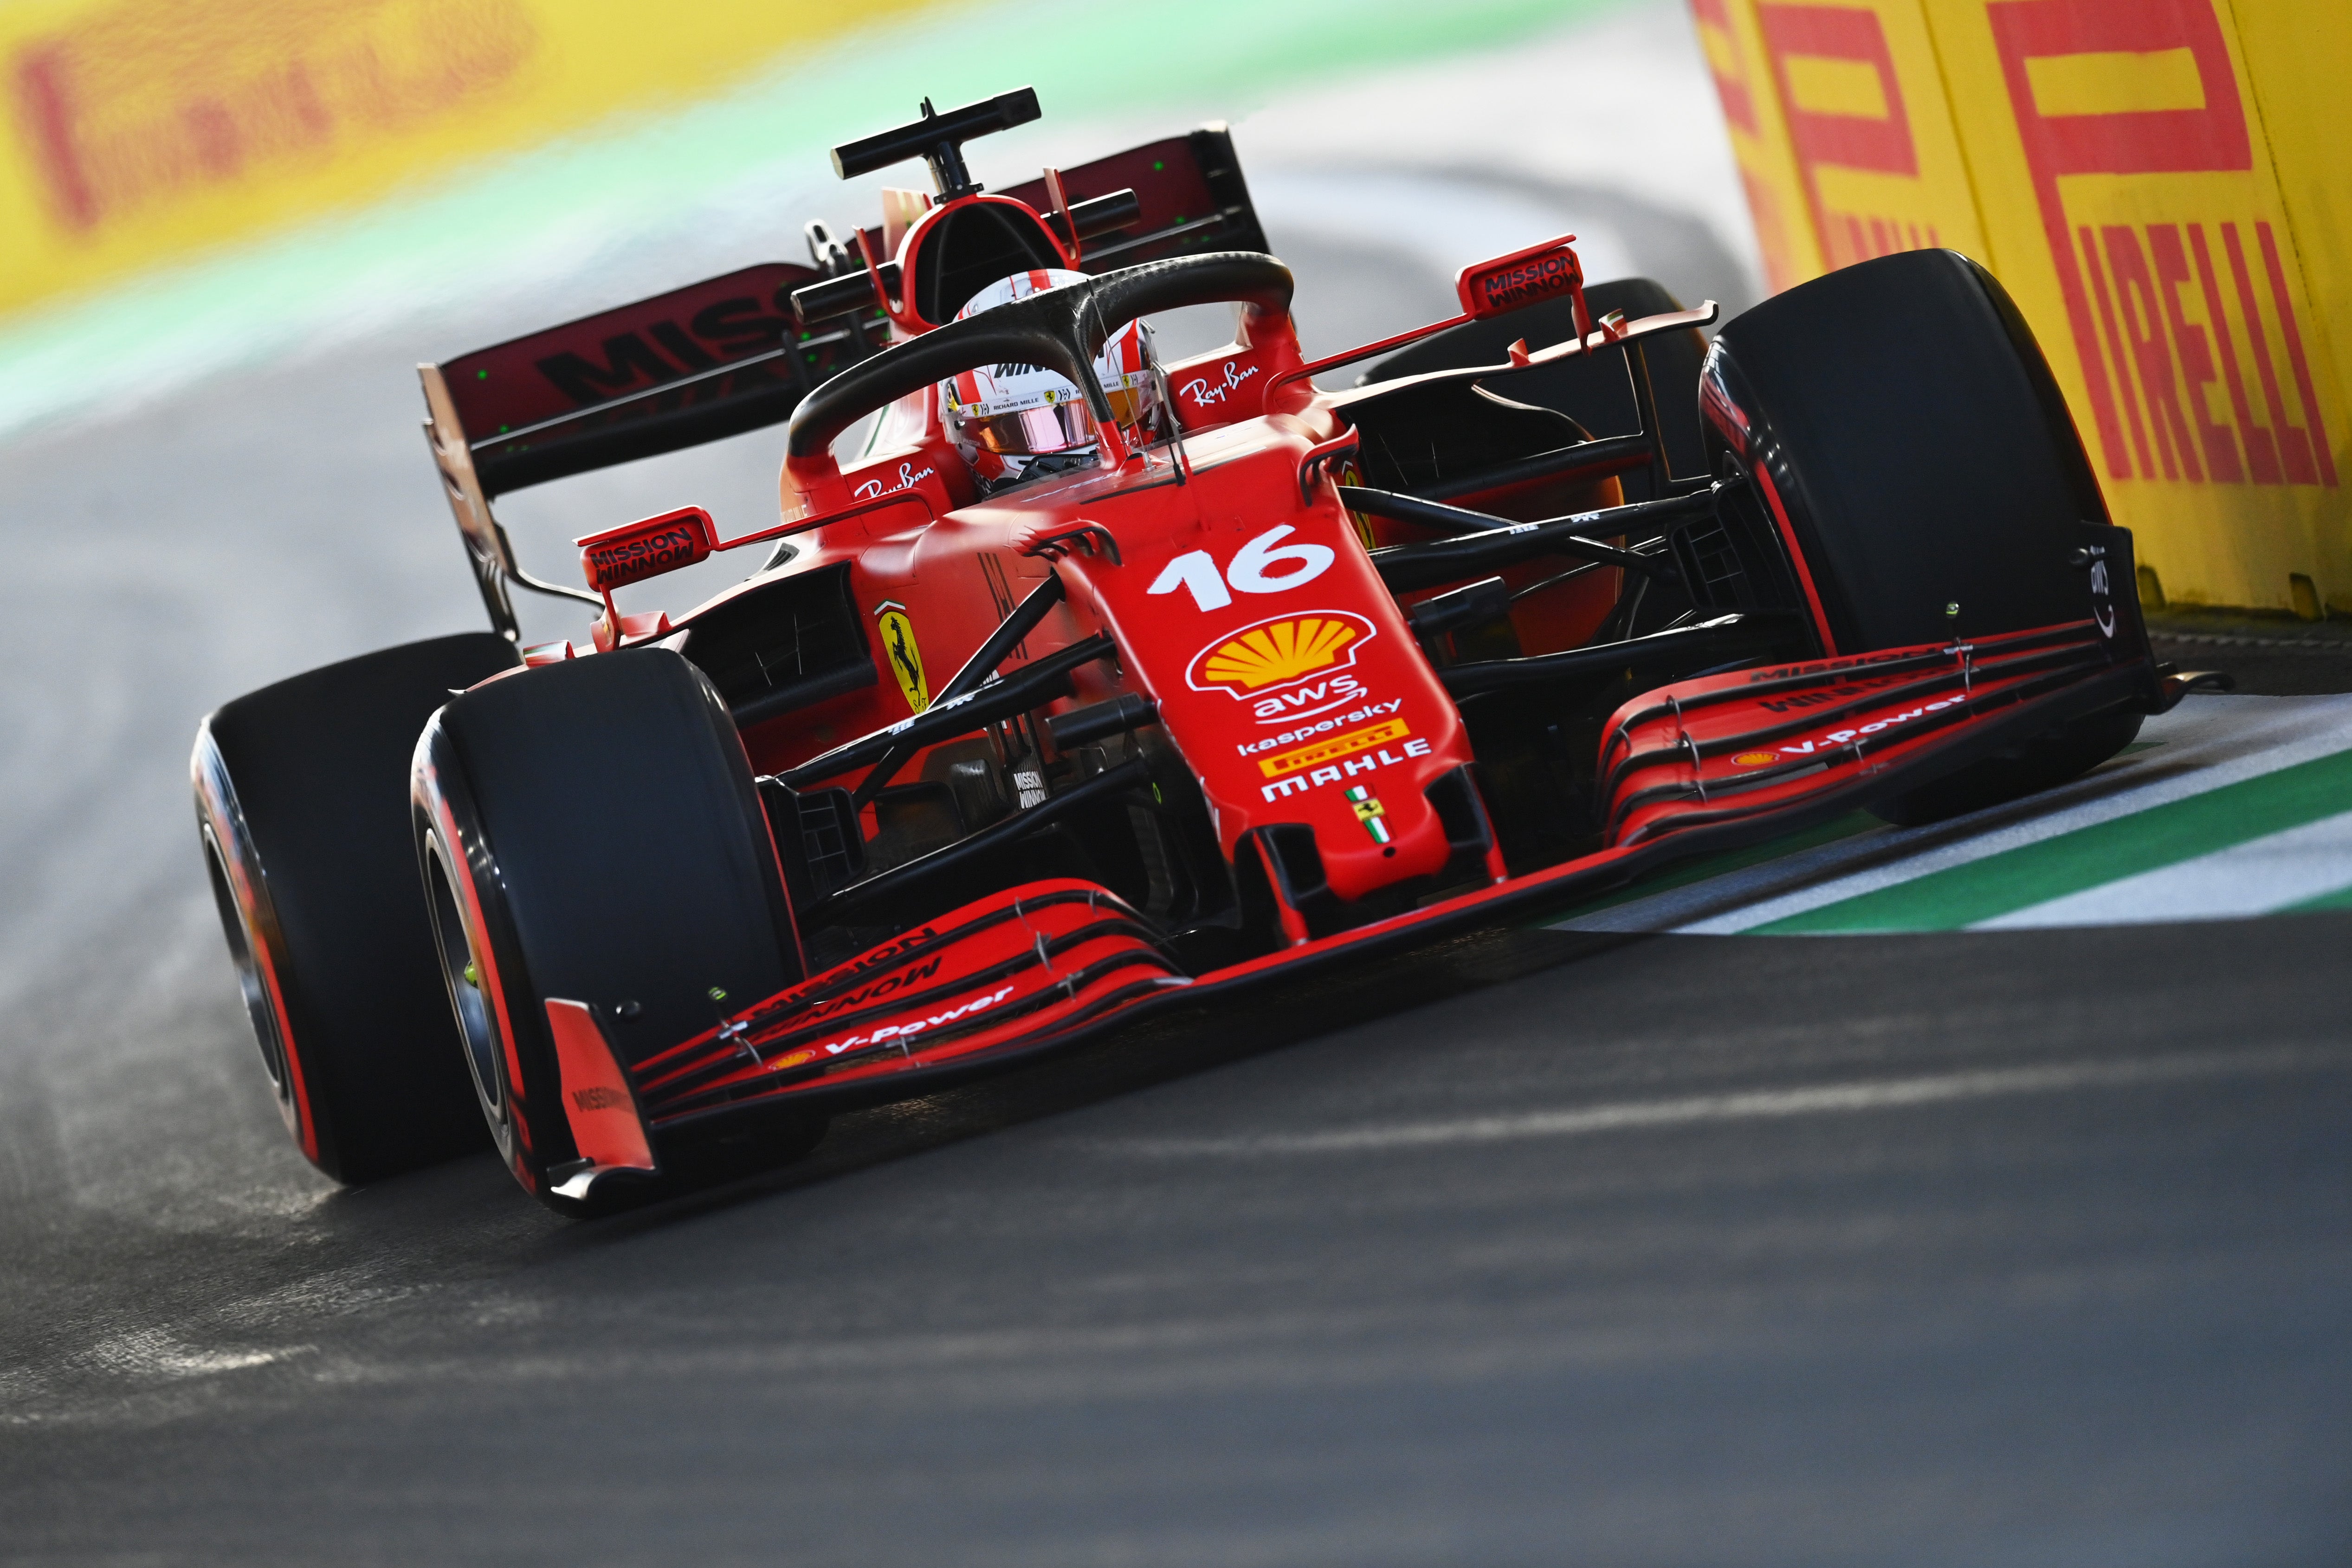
(591, 831)
(1902, 435)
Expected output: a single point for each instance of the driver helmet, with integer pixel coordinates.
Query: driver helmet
(1016, 422)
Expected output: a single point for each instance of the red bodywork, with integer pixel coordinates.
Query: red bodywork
(1242, 602)
(1253, 626)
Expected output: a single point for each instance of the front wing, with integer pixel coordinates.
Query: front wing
(1722, 762)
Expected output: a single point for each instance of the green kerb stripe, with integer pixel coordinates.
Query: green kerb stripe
(2088, 857)
(2340, 899)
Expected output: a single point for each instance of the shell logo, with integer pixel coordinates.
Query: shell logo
(1755, 760)
(1277, 652)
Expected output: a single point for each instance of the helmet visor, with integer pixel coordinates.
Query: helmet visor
(1031, 431)
(1128, 405)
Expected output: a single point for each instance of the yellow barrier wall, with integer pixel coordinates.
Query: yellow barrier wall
(141, 130)
(2153, 180)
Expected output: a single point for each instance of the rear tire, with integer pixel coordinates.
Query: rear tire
(590, 830)
(303, 812)
(1904, 436)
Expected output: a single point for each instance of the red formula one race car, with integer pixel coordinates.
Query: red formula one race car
(1074, 682)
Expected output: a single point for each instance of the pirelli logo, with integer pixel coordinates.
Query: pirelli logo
(1332, 751)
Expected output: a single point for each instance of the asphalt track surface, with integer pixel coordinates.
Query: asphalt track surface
(1538, 1247)
(1541, 1248)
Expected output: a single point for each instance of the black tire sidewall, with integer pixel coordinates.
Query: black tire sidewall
(256, 946)
(452, 848)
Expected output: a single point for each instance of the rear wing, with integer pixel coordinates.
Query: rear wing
(712, 360)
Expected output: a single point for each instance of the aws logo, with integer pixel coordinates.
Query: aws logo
(1276, 653)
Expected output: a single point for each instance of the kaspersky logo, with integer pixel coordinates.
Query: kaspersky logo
(1278, 652)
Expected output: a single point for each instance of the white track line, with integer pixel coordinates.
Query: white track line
(1825, 1099)
(2315, 727)
(2252, 878)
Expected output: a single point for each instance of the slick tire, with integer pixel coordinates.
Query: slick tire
(1905, 437)
(302, 814)
(1595, 392)
(591, 831)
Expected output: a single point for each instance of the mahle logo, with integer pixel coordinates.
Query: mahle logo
(1278, 652)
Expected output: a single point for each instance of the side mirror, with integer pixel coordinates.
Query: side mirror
(636, 551)
(1524, 278)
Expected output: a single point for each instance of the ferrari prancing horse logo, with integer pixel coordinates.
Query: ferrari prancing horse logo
(906, 659)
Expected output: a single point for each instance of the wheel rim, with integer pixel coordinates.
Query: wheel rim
(461, 971)
(261, 1008)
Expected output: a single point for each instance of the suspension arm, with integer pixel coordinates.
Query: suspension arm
(834, 906)
(1500, 542)
(1034, 685)
(977, 672)
(1729, 636)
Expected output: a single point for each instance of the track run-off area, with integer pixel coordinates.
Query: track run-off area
(2005, 1223)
